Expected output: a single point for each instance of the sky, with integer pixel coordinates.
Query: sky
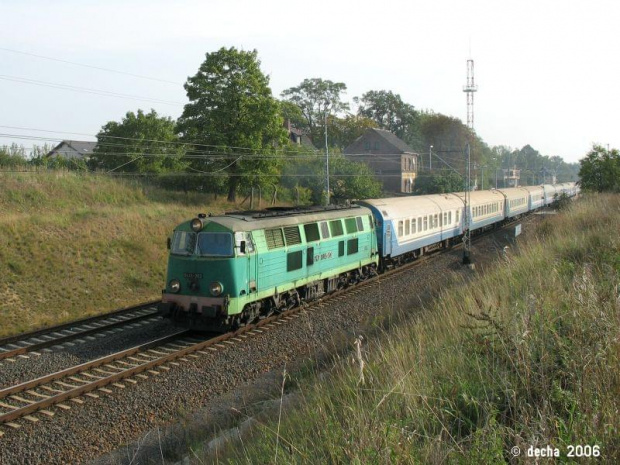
(547, 71)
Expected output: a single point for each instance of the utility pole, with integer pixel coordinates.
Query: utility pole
(326, 161)
(430, 158)
(467, 218)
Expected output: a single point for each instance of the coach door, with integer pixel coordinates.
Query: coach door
(387, 245)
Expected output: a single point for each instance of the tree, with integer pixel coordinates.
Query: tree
(600, 170)
(317, 98)
(439, 184)
(341, 132)
(390, 112)
(232, 114)
(140, 143)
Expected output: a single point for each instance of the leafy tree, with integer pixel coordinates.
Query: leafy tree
(317, 98)
(390, 112)
(12, 156)
(600, 170)
(343, 131)
(439, 183)
(233, 113)
(348, 179)
(352, 180)
(140, 143)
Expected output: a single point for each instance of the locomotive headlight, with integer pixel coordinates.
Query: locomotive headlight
(215, 288)
(175, 285)
(197, 224)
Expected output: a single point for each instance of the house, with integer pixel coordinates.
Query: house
(73, 149)
(298, 137)
(392, 161)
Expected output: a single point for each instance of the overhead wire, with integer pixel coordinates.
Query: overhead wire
(86, 90)
(99, 68)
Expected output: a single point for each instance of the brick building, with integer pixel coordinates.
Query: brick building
(392, 161)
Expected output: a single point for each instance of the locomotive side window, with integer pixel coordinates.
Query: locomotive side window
(335, 227)
(360, 225)
(350, 225)
(324, 230)
(352, 246)
(294, 261)
(312, 232)
(215, 244)
(183, 243)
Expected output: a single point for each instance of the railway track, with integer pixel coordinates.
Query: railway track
(33, 399)
(34, 341)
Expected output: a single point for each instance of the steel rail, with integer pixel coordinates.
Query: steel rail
(42, 331)
(73, 326)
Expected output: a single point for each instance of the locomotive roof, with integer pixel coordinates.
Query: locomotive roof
(249, 221)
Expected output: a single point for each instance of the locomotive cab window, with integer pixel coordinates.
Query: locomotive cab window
(360, 224)
(183, 243)
(215, 244)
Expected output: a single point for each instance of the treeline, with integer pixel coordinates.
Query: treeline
(233, 135)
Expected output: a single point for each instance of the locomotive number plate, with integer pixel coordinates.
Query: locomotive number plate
(192, 275)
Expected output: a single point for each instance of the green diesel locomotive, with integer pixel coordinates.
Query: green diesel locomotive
(225, 271)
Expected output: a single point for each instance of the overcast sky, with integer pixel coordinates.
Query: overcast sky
(548, 71)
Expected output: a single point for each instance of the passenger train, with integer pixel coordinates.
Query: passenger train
(229, 270)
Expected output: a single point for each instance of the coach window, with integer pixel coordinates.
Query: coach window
(425, 223)
(458, 215)
(413, 226)
(324, 230)
(335, 228)
(400, 229)
(436, 221)
(450, 217)
(407, 229)
(312, 232)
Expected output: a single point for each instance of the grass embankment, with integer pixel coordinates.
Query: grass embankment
(74, 245)
(526, 355)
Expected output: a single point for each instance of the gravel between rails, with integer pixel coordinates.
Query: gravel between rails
(75, 352)
(200, 394)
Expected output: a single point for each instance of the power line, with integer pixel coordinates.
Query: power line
(90, 66)
(85, 90)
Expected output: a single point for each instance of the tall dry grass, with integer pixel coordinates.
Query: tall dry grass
(74, 245)
(526, 355)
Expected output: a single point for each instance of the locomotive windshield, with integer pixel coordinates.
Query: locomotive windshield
(212, 244)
